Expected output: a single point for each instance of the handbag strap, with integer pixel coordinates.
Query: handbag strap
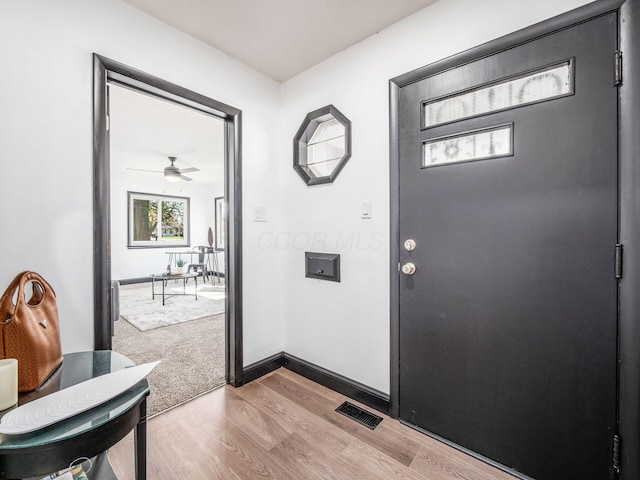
(19, 282)
(6, 302)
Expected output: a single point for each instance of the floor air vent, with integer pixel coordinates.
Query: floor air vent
(359, 415)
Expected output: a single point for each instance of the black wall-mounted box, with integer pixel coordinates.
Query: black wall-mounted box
(324, 266)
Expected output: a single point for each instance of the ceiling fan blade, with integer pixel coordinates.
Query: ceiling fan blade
(143, 170)
(190, 169)
(186, 178)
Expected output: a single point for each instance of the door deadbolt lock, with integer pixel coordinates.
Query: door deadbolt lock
(410, 245)
(408, 268)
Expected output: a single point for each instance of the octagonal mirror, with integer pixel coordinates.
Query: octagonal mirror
(322, 145)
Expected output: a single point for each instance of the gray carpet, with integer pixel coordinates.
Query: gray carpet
(192, 356)
(146, 313)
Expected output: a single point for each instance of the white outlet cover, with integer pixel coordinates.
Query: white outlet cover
(259, 214)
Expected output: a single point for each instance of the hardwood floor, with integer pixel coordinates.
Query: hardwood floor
(283, 426)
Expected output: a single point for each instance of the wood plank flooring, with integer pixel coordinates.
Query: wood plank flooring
(283, 426)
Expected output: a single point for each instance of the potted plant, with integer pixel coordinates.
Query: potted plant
(180, 263)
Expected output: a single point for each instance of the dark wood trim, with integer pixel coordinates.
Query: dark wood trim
(233, 250)
(394, 214)
(350, 388)
(525, 35)
(629, 285)
(107, 70)
(137, 80)
(263, 367)
(101, 213)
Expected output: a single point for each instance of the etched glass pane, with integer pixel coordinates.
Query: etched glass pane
(482, 144)
(541, 85)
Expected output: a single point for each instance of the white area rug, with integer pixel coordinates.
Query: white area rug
(139, 309)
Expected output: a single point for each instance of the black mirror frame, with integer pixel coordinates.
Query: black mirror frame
(305, 132)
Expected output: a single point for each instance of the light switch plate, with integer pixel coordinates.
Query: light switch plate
(365, 209)
(259, 214)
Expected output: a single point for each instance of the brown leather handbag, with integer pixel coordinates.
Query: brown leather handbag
(29, 329)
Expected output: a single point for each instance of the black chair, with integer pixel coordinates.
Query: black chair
(201, 265)
(212, 263)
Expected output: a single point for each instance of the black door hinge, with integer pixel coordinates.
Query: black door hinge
(617, 73)
(618, 267)
(616, 453)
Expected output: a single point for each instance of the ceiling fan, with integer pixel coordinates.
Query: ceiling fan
(171, 172)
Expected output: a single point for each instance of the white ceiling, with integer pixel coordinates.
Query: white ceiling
(280, 38)
(145, 131)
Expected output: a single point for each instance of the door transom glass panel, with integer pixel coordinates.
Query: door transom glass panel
(544, 84)
(465, 147)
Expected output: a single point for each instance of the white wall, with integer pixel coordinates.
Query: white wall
(141, 262)
(46, 158)
(344, 327)
(46, 152)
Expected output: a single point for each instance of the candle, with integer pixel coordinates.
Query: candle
(8, 383)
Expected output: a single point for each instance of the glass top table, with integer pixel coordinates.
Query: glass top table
(164, 277)
(84, 435)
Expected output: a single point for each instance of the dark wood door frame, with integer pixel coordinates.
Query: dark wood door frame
(104, 71)
(629, 209)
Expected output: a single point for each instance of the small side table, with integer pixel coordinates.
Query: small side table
(164, 277)
(88, 434)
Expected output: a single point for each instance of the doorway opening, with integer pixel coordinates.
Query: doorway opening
(163, 221)
(109, 75)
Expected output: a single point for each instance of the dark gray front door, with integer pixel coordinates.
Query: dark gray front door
(509, 188)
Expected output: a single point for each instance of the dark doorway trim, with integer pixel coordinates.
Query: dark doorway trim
(525, 35)
(629, 168)
(106, 70)
(629, 322)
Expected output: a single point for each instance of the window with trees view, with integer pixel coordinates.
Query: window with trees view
(158, 220)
